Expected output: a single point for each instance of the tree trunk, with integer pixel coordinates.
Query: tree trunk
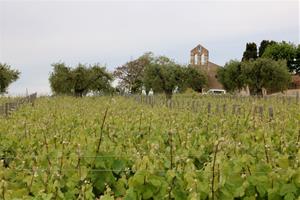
(79, 93)
(168, 98)
(257, 92)
(169, 95)
(260, 92)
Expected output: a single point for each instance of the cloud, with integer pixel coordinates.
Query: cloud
(35, 34)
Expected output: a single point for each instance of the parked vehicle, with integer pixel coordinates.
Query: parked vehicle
(216, 91)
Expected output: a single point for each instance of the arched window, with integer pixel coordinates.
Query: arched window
(196, 59)
(203, 60)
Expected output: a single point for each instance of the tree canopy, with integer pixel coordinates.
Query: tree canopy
(284, 51)
(231, 76)
(131, 73)
(7, 76)
(61, 80)
(159, 73)
(297, 60)
(80, 80)
(265, 73)
(195, 78)
(164, 75)
(263, 45)
(256, 74)
(251, 52)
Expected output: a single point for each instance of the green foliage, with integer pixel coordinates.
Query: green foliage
(144, 185)
(81, 77)
(164, 75)
(100, 80)
(159, 73)
(195, 79)
(284, 51)
(7, 76)
(61, 81)
(296, 63)
(49, 152)
(265, 73)
(263, 45)
(80, 80)
(131, 73)
(250, 53)
(231, 76)
(256, 74)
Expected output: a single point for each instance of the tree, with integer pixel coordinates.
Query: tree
(250, 52)
(231, 76)
(195, 78)
(100, 80)
(131, 73)
(296, 60)
(61, 80)
(283, 51)
(263, 45)
(256, 74)
(80, 80)
(265, 73)
(164, 75)
(7, 76)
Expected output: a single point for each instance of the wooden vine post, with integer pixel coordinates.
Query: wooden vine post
(271, 113)
(6, 109)
(213, 168)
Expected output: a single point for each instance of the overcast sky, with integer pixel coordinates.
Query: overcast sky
(34, 34)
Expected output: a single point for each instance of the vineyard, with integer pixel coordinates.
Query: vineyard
(194, 147)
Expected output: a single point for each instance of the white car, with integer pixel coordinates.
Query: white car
(216, 91)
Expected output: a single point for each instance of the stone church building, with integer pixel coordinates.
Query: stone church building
(200, 59)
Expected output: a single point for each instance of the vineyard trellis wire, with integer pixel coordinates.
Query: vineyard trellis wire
(223, 107)
(42, 170)
(7, 108)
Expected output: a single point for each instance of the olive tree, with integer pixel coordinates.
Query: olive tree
(7, 76)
